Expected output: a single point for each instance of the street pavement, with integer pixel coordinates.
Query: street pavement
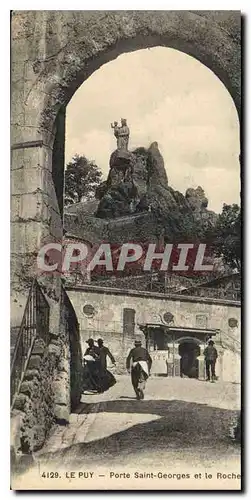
(180, 421)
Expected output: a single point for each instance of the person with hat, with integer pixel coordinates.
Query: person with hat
(107, 379)
(210, 355)
(92, 350)
(140, 362)
(91, 378)
(103, 353)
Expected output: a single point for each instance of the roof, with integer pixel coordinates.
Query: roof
(211, 331)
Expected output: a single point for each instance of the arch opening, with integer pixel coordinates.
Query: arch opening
(92, 137)
(189, 350)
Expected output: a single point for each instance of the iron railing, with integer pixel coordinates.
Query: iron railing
(35, 324)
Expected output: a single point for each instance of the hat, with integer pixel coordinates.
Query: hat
(90, 341)
(100, 341)
(210, 341)
(137, 342)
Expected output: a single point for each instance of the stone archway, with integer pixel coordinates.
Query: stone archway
(53, 53)
(65, 48)
(190, 350)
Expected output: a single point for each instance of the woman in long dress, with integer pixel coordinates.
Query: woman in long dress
(91, 368)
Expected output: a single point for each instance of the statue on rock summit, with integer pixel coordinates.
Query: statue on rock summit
(122, 134)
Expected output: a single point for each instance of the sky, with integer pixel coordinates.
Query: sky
(168, 97)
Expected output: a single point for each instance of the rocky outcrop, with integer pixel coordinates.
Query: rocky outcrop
(198, 202)
(137, 184)
(157, 172)
(121, 159)
(196, 198)
(140, 171)
(118, 193)
(130, 181)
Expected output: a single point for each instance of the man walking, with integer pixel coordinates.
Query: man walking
(211, 355)
(103, 353)
(140, 367)
(107, 379)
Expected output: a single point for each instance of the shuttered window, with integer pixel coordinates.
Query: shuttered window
(129, 321)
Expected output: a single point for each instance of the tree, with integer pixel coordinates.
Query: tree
(82, 177)
(225, 237)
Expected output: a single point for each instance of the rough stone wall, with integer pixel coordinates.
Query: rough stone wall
(141, 227)
(86, 227)
(36, 397)
(51, 386)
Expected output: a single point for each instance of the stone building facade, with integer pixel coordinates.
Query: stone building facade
(163, 322)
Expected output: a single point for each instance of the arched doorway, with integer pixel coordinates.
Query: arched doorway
(189, 364)
(189, 351)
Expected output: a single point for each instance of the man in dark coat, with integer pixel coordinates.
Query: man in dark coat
(140, 368)
(103, 353)
(211, 355)
(107, 379)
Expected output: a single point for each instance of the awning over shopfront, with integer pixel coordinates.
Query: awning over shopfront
(146, 327)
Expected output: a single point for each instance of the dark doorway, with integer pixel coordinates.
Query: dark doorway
(189, 364)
